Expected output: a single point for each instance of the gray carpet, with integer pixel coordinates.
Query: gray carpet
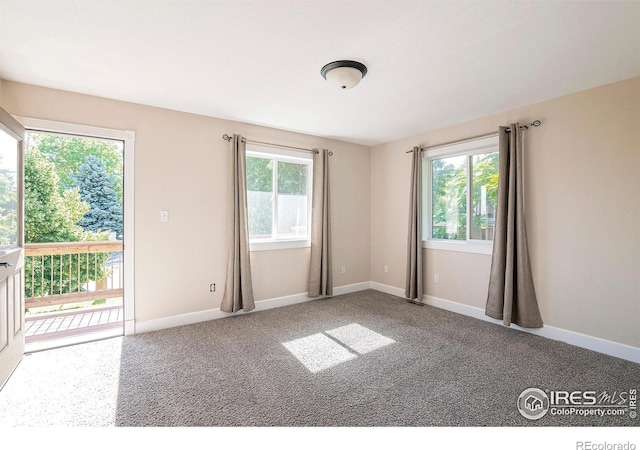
(361, 359)
(443, 369)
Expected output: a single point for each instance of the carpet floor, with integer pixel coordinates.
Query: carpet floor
(360, 359)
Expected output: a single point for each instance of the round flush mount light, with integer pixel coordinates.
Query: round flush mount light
(344, 74)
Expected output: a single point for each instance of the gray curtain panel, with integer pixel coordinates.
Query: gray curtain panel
(238, 292)
(414, 288)
(320, 278)
(512, 296)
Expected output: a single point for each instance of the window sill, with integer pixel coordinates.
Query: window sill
(465, 247)
(258, 246)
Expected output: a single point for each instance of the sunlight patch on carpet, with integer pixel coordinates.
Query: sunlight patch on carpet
(321, 351)
(318, 352)
(359, 338)
(68, 386)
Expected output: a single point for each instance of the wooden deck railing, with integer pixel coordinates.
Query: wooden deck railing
(57, 273)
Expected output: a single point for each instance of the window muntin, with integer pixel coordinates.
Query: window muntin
(460, 193)
(278, 195)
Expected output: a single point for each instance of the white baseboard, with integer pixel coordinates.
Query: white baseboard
(129, 327)
(349, 288)
(607, 347)
(596, 344)
(398, 292)
(261, 305)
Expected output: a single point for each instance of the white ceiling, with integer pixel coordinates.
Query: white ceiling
(430, 63)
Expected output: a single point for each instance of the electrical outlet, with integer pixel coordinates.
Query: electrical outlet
(344, 269)
(436, 278)
(386, 269)
(212, 287)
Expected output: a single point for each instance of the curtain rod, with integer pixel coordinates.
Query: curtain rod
(226, 137)
(535, 123)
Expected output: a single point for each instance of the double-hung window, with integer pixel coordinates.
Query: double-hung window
(278, 197)
(460, 188)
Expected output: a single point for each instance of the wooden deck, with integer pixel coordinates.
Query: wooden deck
(39, 327)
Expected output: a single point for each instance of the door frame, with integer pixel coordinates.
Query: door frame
(128, 137)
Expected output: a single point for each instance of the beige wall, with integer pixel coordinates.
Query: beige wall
(181, 165)
(582, 196)
(583, 212)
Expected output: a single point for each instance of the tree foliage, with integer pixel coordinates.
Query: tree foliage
(449, 199)
(68, 153)
(292, 178)
(50, 216)
(259, 174)
(485, 173)
(50, 213)
(260, 196)
(291, 181)
(98, 189)
(449, 196)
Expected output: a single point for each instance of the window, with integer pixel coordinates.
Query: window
(278, 198)
(9, 193)
(460, 188)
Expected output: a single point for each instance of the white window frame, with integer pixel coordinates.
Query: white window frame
(291, 156)
(468, 148)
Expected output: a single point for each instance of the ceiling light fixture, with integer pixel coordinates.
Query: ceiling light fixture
(344, 74)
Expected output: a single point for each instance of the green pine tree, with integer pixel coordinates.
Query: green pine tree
(98, 189)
